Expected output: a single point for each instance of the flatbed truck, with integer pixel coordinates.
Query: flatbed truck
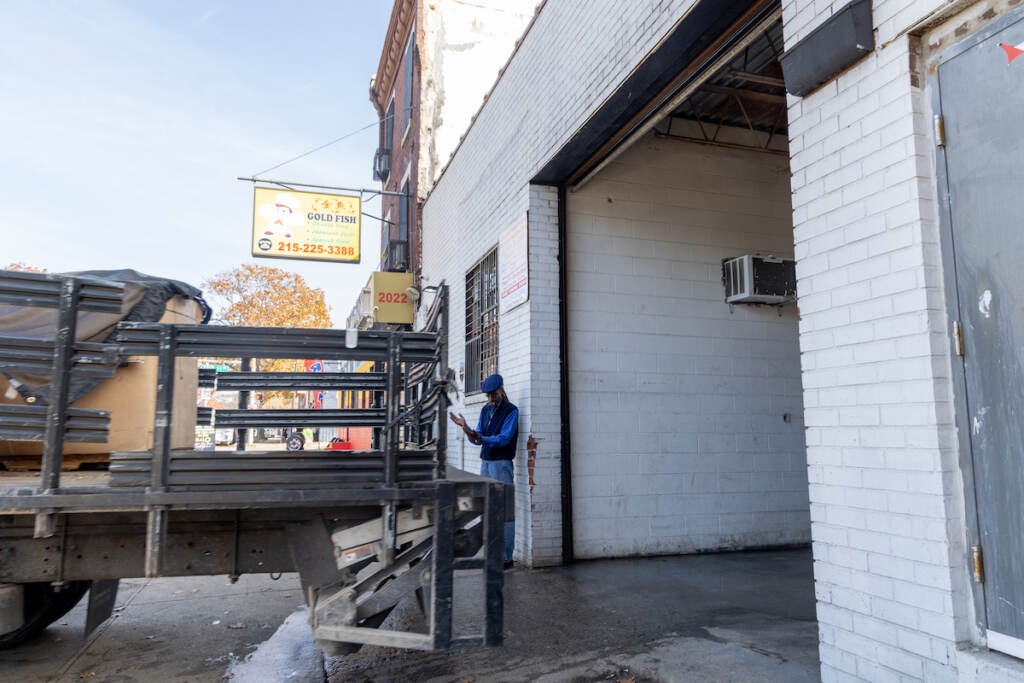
(363, 529)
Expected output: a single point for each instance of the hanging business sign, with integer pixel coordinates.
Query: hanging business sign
(514, 266)
(392, 301)
(305, 225)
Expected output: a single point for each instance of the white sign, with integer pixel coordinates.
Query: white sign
(514, 266)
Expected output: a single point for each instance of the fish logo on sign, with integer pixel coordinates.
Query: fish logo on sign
(1012, 51)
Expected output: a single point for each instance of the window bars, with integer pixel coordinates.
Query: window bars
(481, 321)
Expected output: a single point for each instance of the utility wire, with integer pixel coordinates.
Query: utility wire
(328, 144)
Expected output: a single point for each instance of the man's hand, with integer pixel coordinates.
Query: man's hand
(461, 421)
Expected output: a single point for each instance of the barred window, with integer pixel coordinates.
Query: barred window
(481, 321)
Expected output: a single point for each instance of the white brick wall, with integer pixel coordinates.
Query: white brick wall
(563, 70)
(885, 487)
(465, 44)
(891, 17)
(885, 492)
(544, 539)
(679, 441)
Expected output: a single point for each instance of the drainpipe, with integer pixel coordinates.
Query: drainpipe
(563, 352)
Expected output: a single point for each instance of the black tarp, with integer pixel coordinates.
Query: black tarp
(145, 300)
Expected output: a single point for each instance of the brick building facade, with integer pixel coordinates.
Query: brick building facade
(668, 421)
(438, 60)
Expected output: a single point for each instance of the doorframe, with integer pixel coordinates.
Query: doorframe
(965, 456)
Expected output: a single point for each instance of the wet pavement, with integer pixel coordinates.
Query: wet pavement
(732, 617)
(172, 630)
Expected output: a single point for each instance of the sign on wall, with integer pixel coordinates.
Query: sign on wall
(305, 225)
(391, 300)
(205, 438)
(514, 266)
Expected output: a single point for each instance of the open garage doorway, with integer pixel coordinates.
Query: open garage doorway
(686, 411)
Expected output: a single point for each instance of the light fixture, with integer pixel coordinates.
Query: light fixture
(351, 338)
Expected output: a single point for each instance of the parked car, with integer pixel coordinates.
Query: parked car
(224, 437)
(294, 439)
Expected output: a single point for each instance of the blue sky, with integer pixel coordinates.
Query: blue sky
(124, 125)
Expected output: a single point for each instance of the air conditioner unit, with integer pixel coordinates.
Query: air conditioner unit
(754, 279)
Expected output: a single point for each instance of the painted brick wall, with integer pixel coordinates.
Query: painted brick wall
(464, 46)
(564, 68)
(891, 17)
(543, 484)
(886, 502)
(687, 424)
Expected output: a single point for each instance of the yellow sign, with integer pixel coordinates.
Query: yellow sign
(392, 302)
(305, 225)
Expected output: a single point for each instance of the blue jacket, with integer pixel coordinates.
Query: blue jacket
(498, 428)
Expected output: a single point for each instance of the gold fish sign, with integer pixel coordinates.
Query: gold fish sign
(305, 225)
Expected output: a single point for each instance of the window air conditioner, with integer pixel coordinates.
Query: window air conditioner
(754, 279)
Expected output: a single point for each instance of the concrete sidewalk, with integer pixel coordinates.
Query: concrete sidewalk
(173, 630)
(730, 617)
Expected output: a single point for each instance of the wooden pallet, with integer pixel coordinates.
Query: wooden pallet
(31, 463)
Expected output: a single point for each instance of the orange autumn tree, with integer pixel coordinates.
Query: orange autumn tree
(24, 268)
(262, 296)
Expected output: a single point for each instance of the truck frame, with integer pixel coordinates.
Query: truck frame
(363, 529)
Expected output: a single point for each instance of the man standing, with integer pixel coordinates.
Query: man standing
(497, 431)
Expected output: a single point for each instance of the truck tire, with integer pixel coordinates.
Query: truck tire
(295, 442)
(44, 605)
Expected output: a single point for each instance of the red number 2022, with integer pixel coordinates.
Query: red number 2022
(392, 298)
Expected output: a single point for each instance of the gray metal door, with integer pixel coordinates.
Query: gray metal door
(981, 90)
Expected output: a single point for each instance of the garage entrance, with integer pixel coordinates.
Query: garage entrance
(686, 411)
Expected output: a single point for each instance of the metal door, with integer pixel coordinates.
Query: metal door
(981, 93)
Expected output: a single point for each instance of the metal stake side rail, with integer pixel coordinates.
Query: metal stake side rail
(169, 512)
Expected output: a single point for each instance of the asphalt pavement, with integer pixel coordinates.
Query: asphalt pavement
(172, 630)
(724, 618)
(745, 617)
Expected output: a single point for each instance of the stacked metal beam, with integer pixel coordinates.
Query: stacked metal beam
(292, 381)
(246, 469)
(45, 291)
(266, 342)
(35, 357)
(28, 423)
(58, 358)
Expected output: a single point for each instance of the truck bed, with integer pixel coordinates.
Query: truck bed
(91, 491)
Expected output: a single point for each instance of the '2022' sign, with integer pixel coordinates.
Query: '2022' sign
(392, 298)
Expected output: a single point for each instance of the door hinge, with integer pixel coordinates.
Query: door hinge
(958, 338)
(978, 563)
(940, 130)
